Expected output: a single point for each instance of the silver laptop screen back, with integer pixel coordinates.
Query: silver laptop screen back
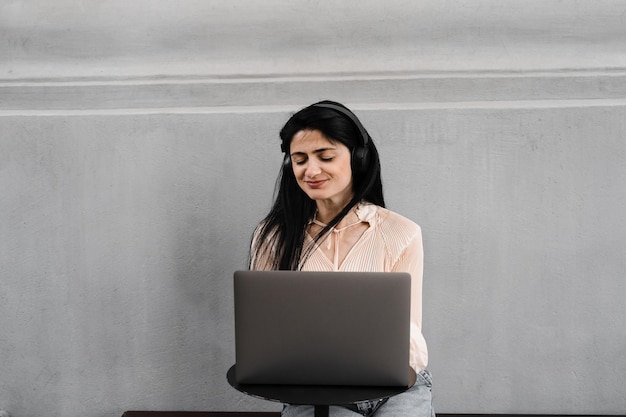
(322, 328)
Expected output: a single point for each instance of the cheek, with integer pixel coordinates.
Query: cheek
(347, 173)
(296, 171)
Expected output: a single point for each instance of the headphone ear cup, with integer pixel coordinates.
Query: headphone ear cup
(360, 159)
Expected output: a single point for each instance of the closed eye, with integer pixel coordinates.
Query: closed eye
(300, 158)
(303, 161)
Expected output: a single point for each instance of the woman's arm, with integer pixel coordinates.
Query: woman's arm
(261, 252)
(412, 261)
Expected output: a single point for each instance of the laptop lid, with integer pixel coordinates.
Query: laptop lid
(322, 328)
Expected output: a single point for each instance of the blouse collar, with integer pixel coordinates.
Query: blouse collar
(366, 212)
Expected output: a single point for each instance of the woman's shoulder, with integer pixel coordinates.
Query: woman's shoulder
(392, 223)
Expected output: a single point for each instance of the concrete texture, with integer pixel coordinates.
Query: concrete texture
(135, 160)
(117, 38)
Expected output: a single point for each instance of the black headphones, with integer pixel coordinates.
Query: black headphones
(360, 154)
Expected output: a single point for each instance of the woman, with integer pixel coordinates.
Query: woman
(329, 214)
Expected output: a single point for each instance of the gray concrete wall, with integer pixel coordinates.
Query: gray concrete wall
(138, 149)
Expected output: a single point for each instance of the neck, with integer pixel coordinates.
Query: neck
(325, 213)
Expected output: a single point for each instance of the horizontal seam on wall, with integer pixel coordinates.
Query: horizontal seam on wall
(446, 91)
(486, 105)
(311, 77)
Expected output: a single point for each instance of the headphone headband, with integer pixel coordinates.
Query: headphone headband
(349, 115)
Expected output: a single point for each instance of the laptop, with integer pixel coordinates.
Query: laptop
(322, 328)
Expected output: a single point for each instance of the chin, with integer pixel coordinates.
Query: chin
(316, 196)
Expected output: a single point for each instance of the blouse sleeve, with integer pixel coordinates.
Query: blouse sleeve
(411, 260)
(261, 252)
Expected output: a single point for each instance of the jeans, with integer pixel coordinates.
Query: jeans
(416, 401)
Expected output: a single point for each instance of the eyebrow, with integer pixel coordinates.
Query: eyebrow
(317, 151)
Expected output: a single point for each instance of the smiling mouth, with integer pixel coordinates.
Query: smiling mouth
(315, 184)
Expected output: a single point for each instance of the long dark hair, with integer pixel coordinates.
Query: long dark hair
(280, 238)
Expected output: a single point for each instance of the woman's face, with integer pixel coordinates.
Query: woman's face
(321, 167)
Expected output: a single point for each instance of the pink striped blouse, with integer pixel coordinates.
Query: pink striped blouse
(392, 243)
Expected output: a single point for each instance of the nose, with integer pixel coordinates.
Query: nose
(312, 169)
